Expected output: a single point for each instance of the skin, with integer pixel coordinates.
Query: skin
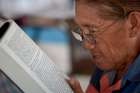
(116, 47)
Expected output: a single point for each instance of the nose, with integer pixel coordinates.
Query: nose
(88, 45)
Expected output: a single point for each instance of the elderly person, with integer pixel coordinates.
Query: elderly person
(110, 30)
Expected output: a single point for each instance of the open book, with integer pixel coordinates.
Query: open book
(26, 64)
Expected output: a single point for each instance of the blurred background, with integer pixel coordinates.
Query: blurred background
(49, 23)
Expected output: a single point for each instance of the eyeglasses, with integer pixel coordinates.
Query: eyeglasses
(82, 36)
(89, 34)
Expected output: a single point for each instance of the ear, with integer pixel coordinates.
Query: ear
(134, 23)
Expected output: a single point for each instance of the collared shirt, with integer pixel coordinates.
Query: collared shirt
(130, 83)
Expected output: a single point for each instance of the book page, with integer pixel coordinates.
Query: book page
(37, 61)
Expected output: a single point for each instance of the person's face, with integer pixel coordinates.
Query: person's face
(107, 40)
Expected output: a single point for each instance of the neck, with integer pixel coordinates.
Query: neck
(122, 68)
(121, 72)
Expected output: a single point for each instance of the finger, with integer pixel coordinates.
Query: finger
(75, 85)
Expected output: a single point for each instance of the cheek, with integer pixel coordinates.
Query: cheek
(115, 42)
(113, 49)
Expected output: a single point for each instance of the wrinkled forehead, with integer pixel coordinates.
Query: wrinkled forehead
(89, 15)
(86, 14)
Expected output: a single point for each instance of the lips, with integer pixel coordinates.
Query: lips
(95, 55)
(97, 58)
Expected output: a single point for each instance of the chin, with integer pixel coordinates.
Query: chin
(104, 68)
(102, 64)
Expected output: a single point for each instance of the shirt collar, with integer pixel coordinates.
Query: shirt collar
(133, 73)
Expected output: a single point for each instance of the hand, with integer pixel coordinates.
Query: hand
(75, 85)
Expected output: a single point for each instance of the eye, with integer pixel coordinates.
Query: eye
(93, 29)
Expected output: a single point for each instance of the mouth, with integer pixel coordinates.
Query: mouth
(97, 56)
(97, 59)
(101, 61)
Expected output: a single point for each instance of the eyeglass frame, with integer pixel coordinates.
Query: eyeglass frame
(91, 38)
